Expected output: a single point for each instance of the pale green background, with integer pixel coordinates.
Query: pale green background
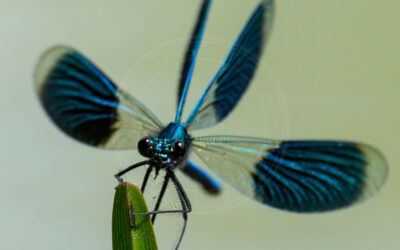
(331, 70)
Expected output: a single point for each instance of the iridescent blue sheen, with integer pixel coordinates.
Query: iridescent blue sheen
(190, 58)
(311, 176)
(300, 176)
(231, 81)
(175, 131)
(80, 99)
(211, 185)
(161, 148)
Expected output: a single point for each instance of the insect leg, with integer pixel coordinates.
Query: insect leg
(181, 193)
(160, 196)
(185, 202)
(146, 177)
(122, 172)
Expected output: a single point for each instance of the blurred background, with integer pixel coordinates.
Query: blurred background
(330, 71)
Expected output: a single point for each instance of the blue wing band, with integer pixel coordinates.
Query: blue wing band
(299, 176)
(312, 176)
(88, 106)
(79, 98)
(232, 79)
(190, 57)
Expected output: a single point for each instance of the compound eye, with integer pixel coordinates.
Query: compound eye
(144, 146)
(178, 150)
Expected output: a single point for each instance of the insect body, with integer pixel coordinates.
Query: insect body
(298, 176)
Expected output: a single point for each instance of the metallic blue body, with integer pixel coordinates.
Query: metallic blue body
(175, 131)
(210, 184)
(161, 145)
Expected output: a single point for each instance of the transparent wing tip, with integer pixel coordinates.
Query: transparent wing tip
(46, 63)
(376, 171)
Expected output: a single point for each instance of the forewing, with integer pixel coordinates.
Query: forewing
(232, 79)
(300, 176)
(190, 56)
(87, 105)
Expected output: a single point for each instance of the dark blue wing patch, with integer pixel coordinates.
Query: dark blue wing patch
(299, 176)
(78, 97)
(238, 69)
(88, 106)
(240, 66)
(190, 57)
(316, 176)
(192, 47)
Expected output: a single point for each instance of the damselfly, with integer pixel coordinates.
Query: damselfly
(299, 176)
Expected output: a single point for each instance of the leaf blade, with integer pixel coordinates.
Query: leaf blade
(128, 232)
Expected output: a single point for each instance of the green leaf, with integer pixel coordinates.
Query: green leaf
(131, 232)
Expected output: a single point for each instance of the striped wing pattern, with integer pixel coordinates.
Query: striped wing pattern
(88, 106)
(299, 176)
(234, 76)
(190, 56)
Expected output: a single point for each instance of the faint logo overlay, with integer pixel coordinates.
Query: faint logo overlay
(262, 112)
